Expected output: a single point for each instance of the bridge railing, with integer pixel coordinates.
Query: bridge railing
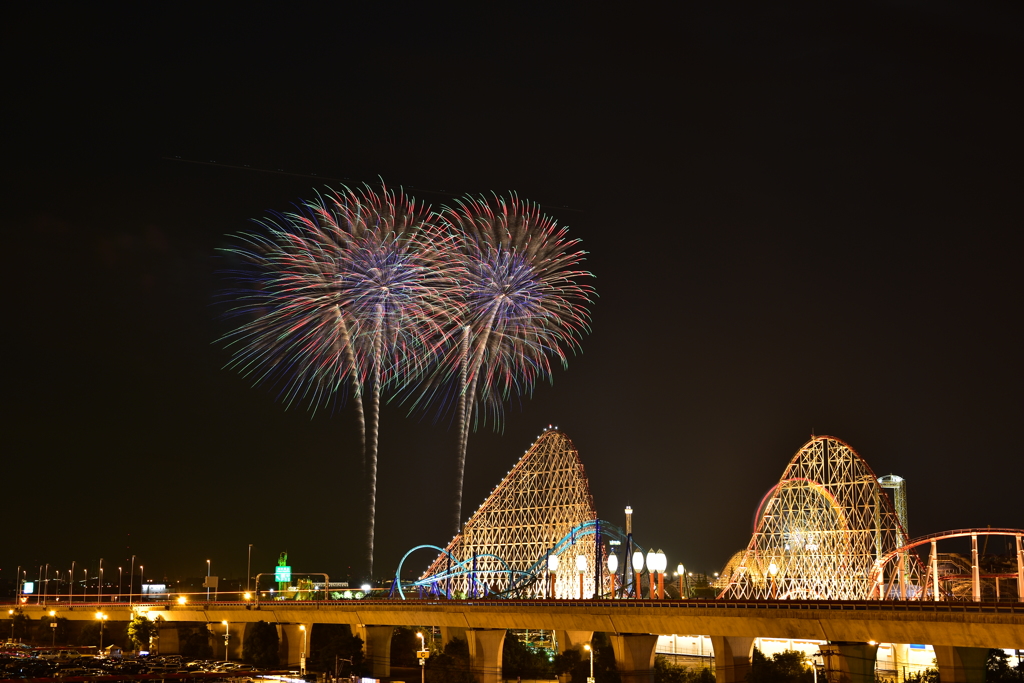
(411, 604)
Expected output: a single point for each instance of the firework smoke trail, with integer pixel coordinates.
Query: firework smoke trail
(523, 304)
(345, 294)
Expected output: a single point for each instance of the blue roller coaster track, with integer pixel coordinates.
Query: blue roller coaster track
(520, 581)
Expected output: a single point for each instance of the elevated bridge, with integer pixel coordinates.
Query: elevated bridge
(959, 632)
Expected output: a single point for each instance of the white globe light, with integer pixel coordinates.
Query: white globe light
(638, 561)
(773, 569)
(552, 563)
(581, 563)
(613, 563)
(652, 561)
(662, 560)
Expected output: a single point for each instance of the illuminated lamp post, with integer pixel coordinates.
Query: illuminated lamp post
(423, 660)
(53, 627)
(120, 577)
(142, 581)
(302, 655)
(227, 637)
(638, 566)
(662, 564)
(589, 649)
(207, 581)
(11, 612)
(613, 567)
(681, 573)
(773, 569)
(581, 567)
(101, 617)
(553, 571)
(652, 569)
(99, 589)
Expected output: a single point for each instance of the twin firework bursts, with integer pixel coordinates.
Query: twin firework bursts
(364, 293)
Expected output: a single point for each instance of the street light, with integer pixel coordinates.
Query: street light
(227, 636)
(422, 658)
(302, 655)
(53, 627)
(613, 567)
(662, 562)
(638, 566)
(553, 571)
(142, 580)
(591, 651)
(581, 567)
(207, 581)
(11, 612)
(102, 617)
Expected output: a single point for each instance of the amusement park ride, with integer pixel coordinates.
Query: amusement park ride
(828, 530)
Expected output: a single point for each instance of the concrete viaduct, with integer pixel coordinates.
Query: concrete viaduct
(961, 633)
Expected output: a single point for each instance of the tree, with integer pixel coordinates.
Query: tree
(666, 672)
(452, 665)
(578, 664)
(44, 634)
(331, 645)
(260, 645)
(783, 667)
(141, 630)
(195, 642)
(22, 626)
(521, 660)
(998, 669)
(404, 643)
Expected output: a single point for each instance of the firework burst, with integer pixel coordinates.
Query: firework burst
(345, 295)
(523, 306)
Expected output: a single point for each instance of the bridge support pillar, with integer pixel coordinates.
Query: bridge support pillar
(290, 649)
(853, 662)
(732, 658)
(450, 633)
(376, 648)
(634, 656)
(485, 649)
(572, 640)
(167, 640)
(961, 664)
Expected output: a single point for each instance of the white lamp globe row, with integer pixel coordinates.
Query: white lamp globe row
(656, 562)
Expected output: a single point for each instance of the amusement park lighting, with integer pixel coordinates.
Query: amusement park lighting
(365, 587)
(613, 562)
(638, 561)
(581, 563)
(652, 561)
(552, 563)
(773, 569)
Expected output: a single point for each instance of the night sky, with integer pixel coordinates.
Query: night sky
(800, 219)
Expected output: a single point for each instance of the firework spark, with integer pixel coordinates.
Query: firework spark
(346, 294)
